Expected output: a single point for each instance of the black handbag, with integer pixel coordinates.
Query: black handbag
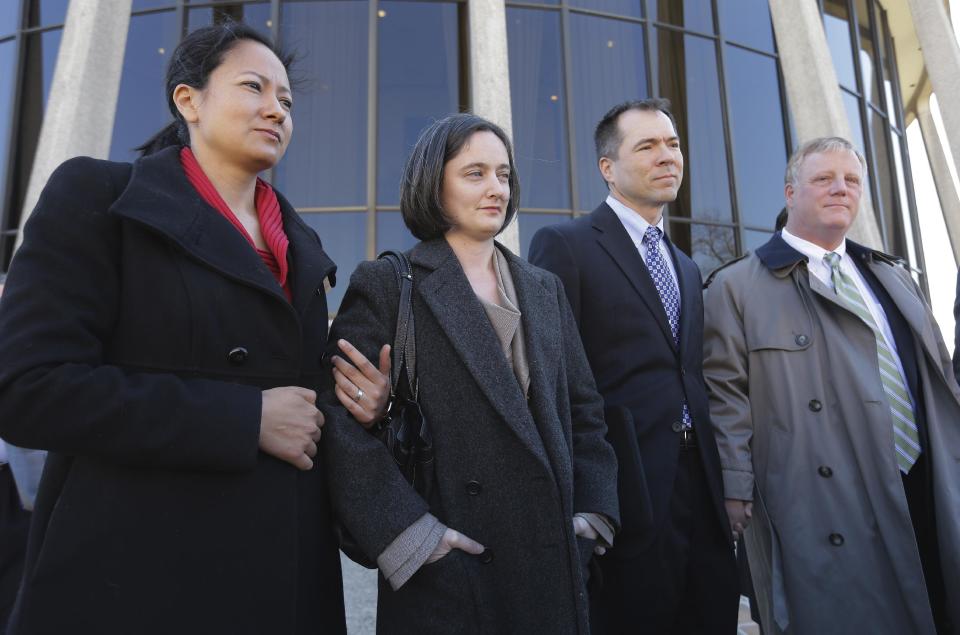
(405, 431)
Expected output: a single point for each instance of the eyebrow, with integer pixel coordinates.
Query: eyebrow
(264, 79)
(480, 164)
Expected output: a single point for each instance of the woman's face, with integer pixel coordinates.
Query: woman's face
(476, 187)
(242, 117)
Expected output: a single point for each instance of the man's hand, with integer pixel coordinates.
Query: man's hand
(290, 425)
(584, 529)
(361, 387)
(739, 512)
(454, 540)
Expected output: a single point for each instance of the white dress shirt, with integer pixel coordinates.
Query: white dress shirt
(636, 226)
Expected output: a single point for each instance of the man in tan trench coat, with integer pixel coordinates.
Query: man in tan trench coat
(837, 419)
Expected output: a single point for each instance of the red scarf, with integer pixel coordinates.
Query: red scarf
(268, 212)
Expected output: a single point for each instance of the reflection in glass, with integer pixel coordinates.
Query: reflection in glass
(7, 60)
(418, 82)
(344, 238)
(45, 12)
(608, 68)
(538, 101)
(392, 233)
(686, 68)
(760, 153)
(753, 239)
(747, 22)
(326, 163)
(629, 8)
(868, 68)
(694, 15)
(531, 223)
(852, 105)
(836, 25)
(708, 245)
(256, 15)
(9, 17)
(142, 104)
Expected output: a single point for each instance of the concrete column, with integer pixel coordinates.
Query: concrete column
(813, 91)
(946, 188)
(941, 57)
(490, 78)
(83, 95)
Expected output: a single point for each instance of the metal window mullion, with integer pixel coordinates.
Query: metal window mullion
(727, 130)
(275, 36)
(372, 114)
(11, 215)
(565, 46)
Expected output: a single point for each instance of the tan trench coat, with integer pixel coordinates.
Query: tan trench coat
(800, 414)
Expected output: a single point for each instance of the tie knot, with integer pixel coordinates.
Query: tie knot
(832, 259)
(652, 236)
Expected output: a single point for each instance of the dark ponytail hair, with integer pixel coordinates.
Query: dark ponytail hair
(198, 55)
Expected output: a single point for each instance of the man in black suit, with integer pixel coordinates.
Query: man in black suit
(637, 301)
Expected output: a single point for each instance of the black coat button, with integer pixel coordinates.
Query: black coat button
(801, 340)
(676, 426)
(487, 556)
(237, 355)
(683, 372)
(824, 471)
(836, 540)
(815, 405)
(473, 488)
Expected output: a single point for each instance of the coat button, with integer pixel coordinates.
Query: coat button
(824, 471)
(676, 426)
(836, 540)
(237, 355)
(815, 405)
(683, 371)
(487, 556)
(473, 488)
(801, 340)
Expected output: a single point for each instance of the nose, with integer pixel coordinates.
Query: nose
(273, 109)
(666, 155)
(839, 186)
(497, 188)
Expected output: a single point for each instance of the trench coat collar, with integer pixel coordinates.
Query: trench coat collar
(160, 197)
(615, 240)
(778, 256)
(448, 294)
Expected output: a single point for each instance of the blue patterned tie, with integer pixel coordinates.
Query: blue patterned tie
(667, 290)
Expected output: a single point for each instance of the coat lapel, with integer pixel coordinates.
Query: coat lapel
(615, 240)
(309, 264)
(448, 294)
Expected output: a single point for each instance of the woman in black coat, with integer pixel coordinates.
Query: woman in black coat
(160, 333)
(524, 481)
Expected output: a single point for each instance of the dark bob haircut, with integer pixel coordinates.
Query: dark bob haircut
(607, 137)
(422, 183)
(198, 55)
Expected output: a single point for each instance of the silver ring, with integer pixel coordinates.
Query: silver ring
(357, 397)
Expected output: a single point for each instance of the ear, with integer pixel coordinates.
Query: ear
(788, 195)
(186, 99)
(606, 168)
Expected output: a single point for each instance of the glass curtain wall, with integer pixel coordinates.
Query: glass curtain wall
(571, 60)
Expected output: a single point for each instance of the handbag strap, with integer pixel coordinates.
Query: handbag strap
(404, 340)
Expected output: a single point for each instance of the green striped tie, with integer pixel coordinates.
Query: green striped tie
(906, 440)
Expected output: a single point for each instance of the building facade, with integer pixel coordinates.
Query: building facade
(371, 74)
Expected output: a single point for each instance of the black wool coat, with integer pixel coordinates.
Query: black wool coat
(510, 473)
(137, 331)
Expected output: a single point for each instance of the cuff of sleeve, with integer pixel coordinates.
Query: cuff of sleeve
(408, 551)
(738, 484)
(600, 525)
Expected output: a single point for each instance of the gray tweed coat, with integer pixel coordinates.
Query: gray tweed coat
(510, 473)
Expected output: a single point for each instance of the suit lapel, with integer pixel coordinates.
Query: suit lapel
(448, 294)
(690, 291)
(615, 240)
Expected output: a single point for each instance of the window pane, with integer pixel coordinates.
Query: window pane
(836, 25)
(49, 47)
(344, 238)
(392, 233)
(530, 223)
(852, 105)
(687, 74)
(696, 15)
(418, 82)
(886, 63)
(9, 17)
(256, 15)
(708, 245)
(46, 12)
(142, 104)
(139, 5)
(754, 239)
(868, 55)
(539, 112)
(880, 169)
(756, 123)
(904, 245)
(7, 64)
(630, 8)
(326, 163)
(747, 22)
(608, 68)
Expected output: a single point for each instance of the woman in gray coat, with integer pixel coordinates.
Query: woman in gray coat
(524, 485)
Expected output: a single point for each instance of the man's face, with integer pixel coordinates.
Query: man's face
(823, 203)
(648, 168)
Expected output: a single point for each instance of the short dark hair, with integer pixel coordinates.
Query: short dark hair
(607, 136)
(198, 55)
(422, 184)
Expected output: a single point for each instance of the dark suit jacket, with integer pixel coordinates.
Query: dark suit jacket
(510, 473)
(639, 371)
(137, 331)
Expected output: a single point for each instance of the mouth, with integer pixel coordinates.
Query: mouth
(272, 133)
(665, 177)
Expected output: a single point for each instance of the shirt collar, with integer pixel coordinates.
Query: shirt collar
(635, 224)
(814, 253)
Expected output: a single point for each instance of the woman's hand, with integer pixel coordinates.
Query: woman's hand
(362, 388)
(290, 425)
(454, 540)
